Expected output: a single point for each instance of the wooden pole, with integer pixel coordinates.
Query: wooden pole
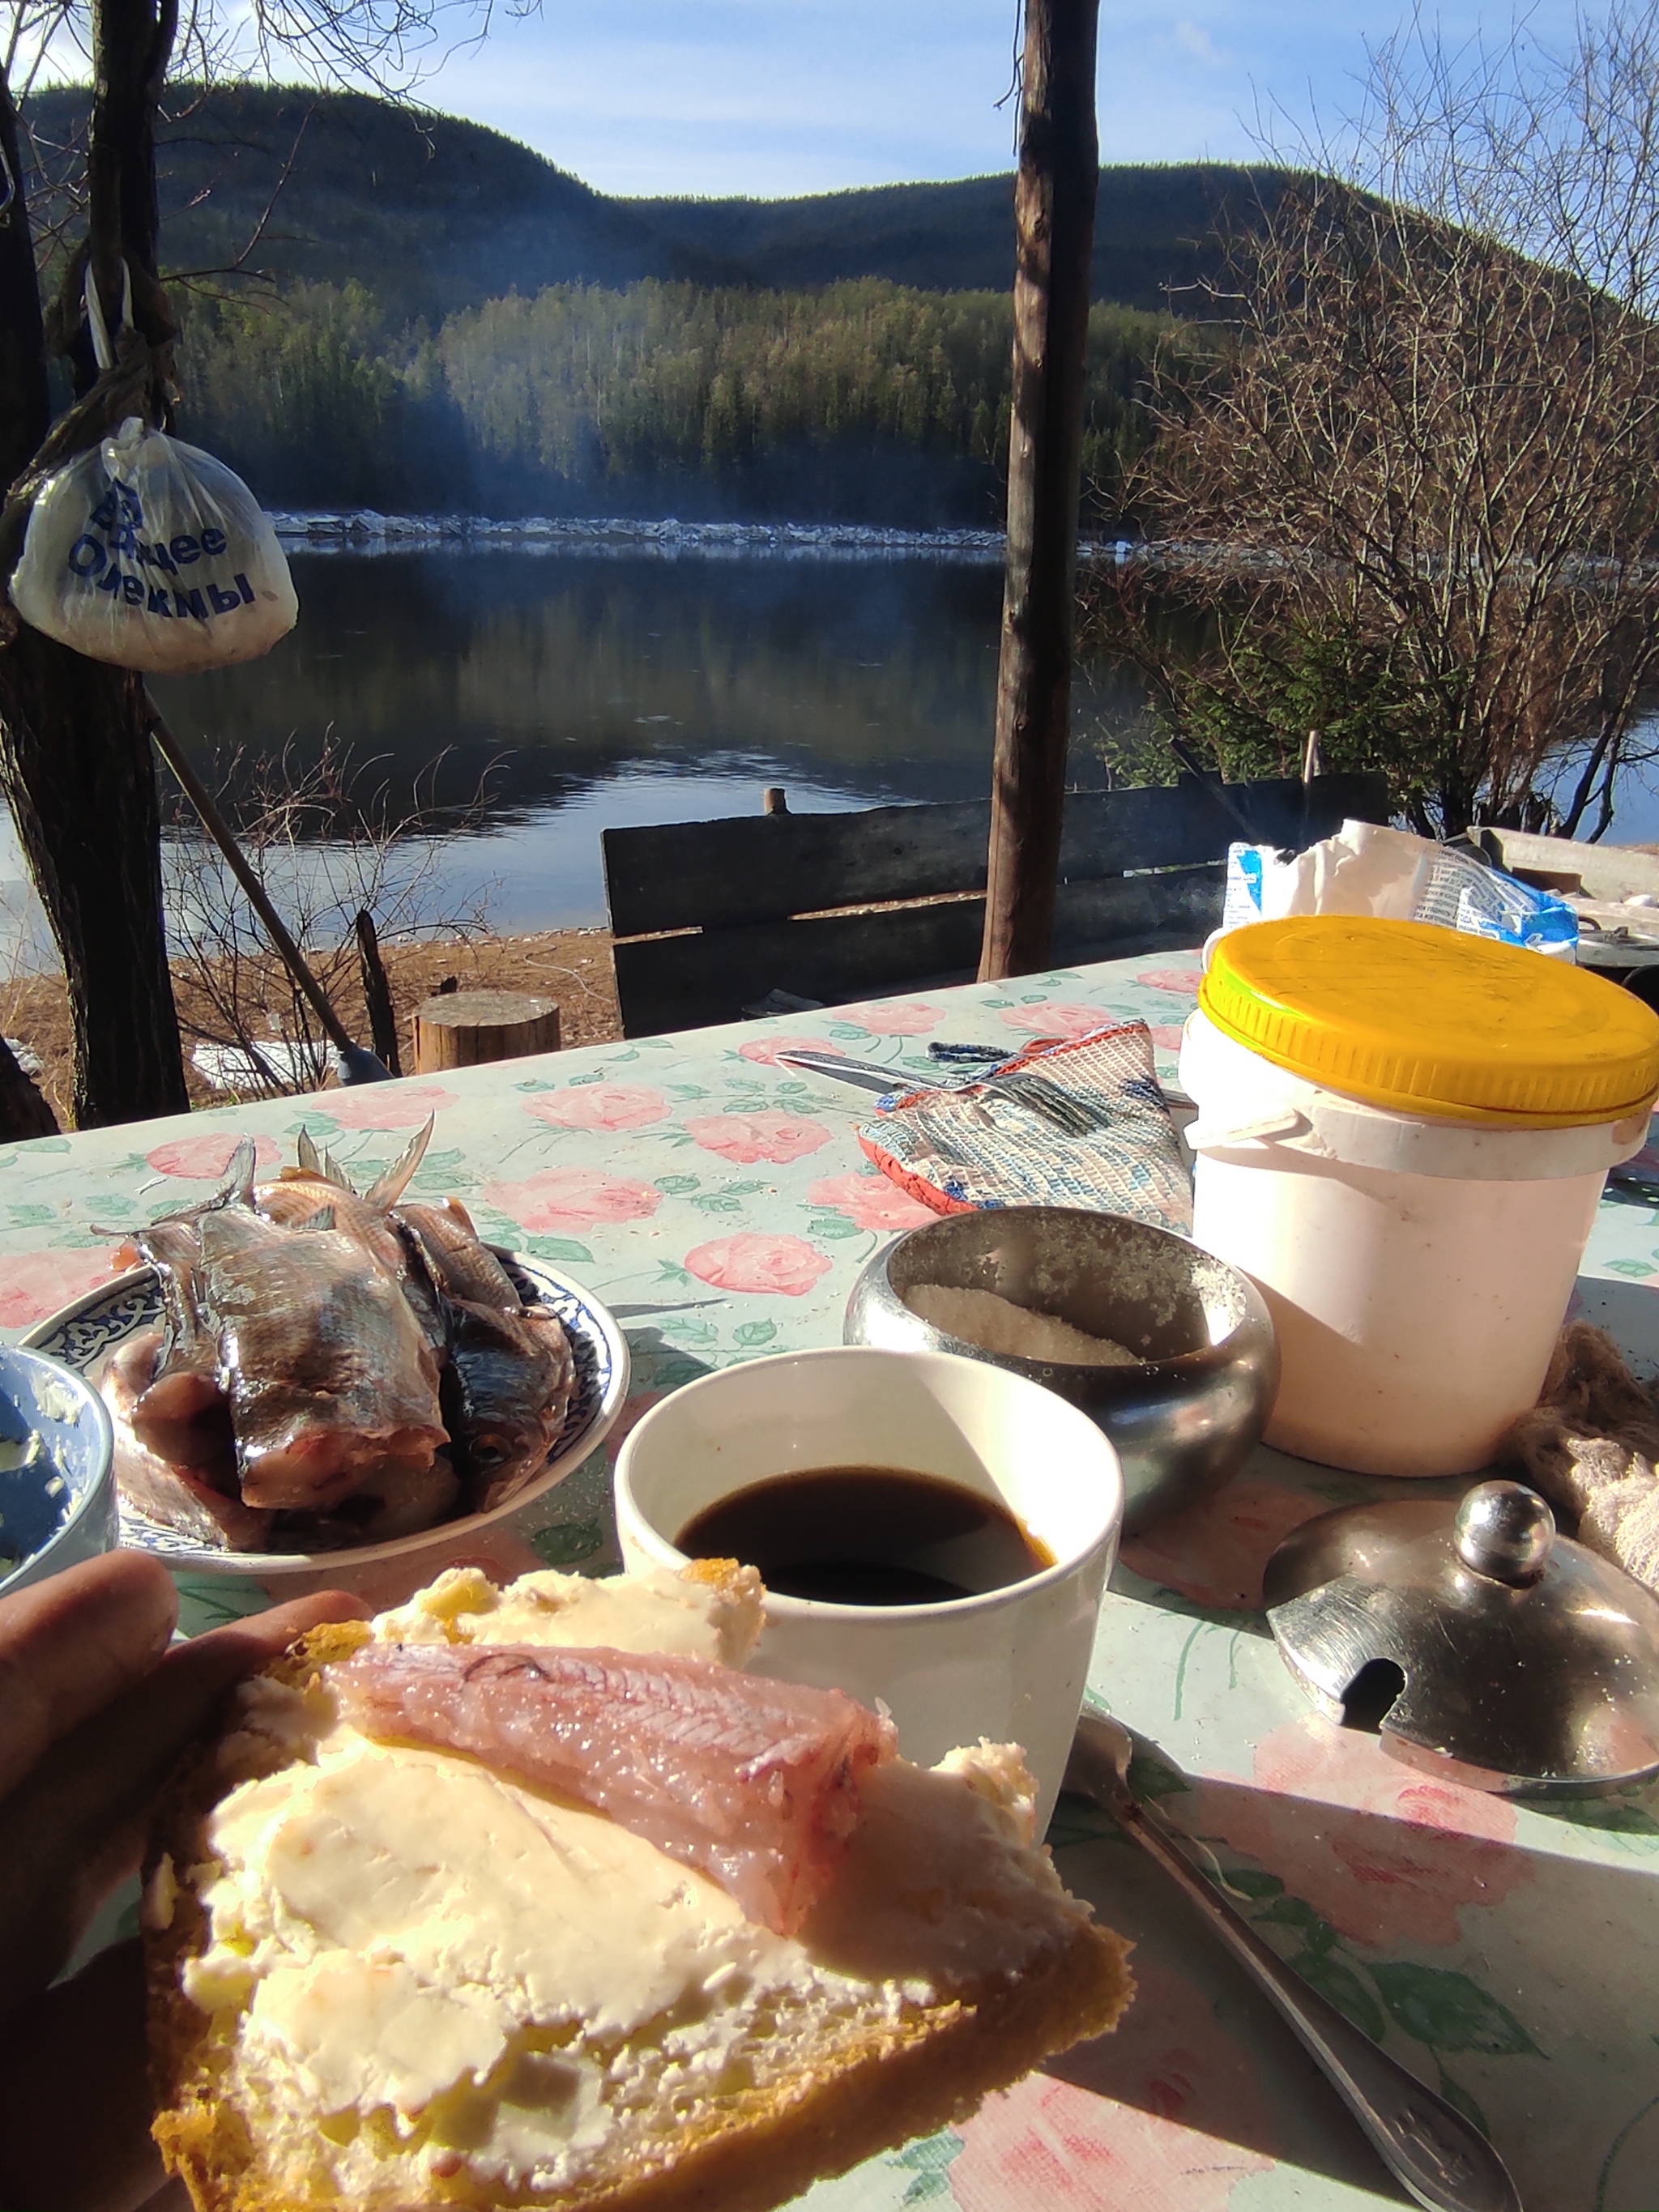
(377, 994)
(1055, 221)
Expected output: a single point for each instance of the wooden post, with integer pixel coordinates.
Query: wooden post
(465, 1029)
(377, 992)
(1054, 221)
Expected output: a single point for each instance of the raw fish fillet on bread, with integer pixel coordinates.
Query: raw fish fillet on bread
(525, 1898)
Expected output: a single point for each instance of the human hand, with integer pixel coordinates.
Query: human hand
(95, 1712)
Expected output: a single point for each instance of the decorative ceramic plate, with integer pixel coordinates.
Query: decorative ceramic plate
(83, 1332)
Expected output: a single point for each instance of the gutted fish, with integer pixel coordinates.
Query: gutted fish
(395, 1502)
(200, 1501)
(754, 1782)
(182, 1416)
(329, 1376)
(510, 1372)
(505, 1393)
(291, 1398)
(461, 1263)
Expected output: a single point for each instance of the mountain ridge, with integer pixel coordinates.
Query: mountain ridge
(435, 213)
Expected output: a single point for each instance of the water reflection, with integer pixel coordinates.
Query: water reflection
(578, 693)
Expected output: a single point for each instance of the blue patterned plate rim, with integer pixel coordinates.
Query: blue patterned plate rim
(80, 1333)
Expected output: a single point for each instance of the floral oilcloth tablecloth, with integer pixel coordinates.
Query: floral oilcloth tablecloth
(717, 1201)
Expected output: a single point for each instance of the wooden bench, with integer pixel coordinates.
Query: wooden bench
(711, 917)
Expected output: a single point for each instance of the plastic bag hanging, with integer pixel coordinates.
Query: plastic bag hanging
(150, 554)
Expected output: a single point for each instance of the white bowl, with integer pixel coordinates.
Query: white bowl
(83, 1335)
(1009, 1664)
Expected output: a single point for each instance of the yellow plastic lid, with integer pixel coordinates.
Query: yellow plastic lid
(1431, 1021)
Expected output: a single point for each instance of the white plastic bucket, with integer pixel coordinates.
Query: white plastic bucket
(1418, 1270)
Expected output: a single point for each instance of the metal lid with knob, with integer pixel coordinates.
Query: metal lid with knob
(1487, 1648)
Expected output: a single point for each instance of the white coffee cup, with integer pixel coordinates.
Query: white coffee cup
(1009, 1664)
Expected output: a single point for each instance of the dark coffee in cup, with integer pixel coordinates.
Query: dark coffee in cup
(867, 1535)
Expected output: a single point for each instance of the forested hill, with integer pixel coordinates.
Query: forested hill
(430, 213)
(433, 214)
(1158, 232)
(449, 322)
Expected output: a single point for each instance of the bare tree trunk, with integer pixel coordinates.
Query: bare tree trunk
(75, 755)
(76, 768)
(1055, 214)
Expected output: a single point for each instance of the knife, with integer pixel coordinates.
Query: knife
(866, 1074)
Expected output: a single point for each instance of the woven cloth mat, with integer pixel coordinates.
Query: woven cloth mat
(1077, 1123)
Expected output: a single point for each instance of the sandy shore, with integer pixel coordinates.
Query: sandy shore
(572, 966)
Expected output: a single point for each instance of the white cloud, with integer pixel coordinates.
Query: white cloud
(1194, 39)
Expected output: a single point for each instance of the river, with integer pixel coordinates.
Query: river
(562, 692)
(531, 698)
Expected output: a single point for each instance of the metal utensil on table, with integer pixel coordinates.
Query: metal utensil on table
(1488, 1649)
(1035, 1092)
(1441, 2159)
(863, 1074)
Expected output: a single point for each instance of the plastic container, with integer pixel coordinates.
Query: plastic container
(1402, 1137)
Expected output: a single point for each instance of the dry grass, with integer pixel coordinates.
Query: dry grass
(572, 966)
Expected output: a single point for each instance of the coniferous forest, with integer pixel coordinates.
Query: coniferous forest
(864, 400)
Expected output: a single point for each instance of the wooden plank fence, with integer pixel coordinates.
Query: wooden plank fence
(711, 916)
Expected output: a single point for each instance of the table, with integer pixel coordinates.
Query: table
(718, 1202)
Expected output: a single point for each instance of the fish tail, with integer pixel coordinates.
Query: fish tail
(237, 1188)
(390, 1186)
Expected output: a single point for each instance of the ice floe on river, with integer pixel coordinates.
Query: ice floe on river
(362, 531)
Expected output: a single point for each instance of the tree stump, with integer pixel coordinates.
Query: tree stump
(465, 1029)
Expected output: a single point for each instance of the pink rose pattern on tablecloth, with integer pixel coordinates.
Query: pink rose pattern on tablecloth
(1389, 1857)
(1049, 1019)
(762, 1051)
(900, 1018)
(385, 1105)
(36, 1284)
(1165, 2112)
(746, 1138)
(608, 1106)
(1047, 2147)
(786, 1266)
(749, 1245)
(205, 1159)
(1214, 1553)
(871, 1201)
(1184, 981)
(574, 1198)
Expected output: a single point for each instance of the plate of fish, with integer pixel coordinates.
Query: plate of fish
(296, 1371)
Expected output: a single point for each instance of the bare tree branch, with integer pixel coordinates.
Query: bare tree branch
(1432, 450)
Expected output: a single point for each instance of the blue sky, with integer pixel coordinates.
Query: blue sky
(773, 97)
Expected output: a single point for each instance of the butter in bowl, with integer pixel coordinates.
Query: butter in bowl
(1169, 1350)
(57, 1484)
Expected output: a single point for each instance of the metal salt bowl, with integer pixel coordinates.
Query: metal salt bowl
(1182, 1421)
